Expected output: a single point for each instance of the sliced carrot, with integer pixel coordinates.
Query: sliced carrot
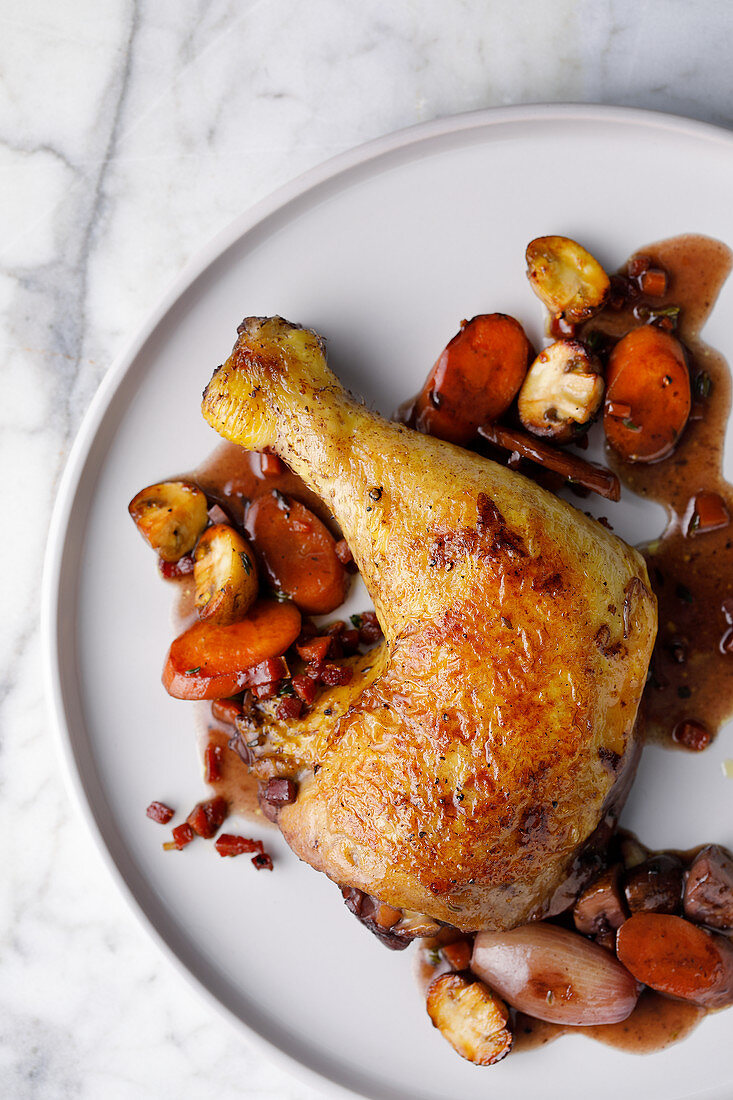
(676, 957)
(209, 661)
(475, 379)
(298, 553)
(648, 374)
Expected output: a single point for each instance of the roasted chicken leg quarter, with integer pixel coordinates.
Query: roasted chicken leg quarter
(478, 748)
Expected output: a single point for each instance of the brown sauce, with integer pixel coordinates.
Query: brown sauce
(236, 784)
(531, 1034)
(656, 1022)
(691, 678)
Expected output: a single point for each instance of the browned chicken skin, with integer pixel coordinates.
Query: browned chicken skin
(475, 750)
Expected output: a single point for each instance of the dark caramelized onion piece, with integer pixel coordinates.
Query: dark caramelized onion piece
(367, 909)
(655, 885)
(596, 478)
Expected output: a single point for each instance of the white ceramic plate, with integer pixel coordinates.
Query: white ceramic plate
(383, 250)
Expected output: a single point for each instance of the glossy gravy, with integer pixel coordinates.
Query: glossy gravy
(656, 1022)
(691, 678)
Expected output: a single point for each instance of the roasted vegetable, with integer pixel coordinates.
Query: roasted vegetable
(458, 954)
(209, 661)
(599, 479)
(601, 906)
(470, 1017)
(475, 378)
(653, 282)
(709, 513)
(709, 887)
(170, 516)
(225, 575)
(555, 975)
(564, 275)
(648, 396)
(562, 392)
(298, 553)
(676, 957)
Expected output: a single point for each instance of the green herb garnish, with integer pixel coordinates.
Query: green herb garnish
(594, 340)
(655, 316)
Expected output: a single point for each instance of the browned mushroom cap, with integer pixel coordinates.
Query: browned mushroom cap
(601, 906)
(655, 885)
(225, 575)
(708, 895)
(562, 392)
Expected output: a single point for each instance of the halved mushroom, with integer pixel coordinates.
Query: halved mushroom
(655, 886)
(170, 516)
(563, 391)
(564, 275)
(709, 888)
(470, 1017)
(601, 907)
(225, 575)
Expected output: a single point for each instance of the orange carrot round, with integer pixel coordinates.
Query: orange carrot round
(475, 379)
(298, 553)
(676, 957)
(648, 396)
(209, 661)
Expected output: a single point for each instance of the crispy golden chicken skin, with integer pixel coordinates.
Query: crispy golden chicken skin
(476, 750)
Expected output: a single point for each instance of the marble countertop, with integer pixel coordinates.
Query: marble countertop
(130, 132)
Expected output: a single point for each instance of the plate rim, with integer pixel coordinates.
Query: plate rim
(75, 464)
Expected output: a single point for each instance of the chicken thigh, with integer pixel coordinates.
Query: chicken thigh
(480, 745)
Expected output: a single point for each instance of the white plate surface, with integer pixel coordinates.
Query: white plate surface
(383, 250)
